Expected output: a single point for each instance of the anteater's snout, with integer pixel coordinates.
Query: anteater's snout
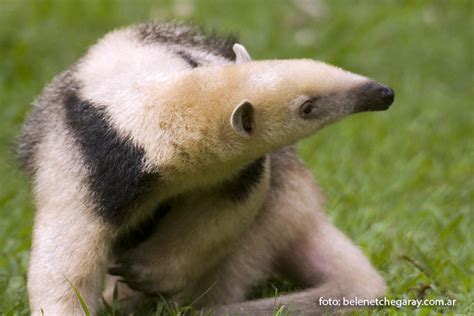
(386, 96)
(374, 97)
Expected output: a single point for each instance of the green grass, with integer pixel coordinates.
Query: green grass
(399, 183)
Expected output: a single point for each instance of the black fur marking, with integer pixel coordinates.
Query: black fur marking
(188, 58)
(141, 232)
(240, 187)
(182, 34)
(116, 165)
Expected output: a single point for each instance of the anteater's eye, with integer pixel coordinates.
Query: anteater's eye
(308, 109)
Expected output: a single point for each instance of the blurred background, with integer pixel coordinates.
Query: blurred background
(400, 183)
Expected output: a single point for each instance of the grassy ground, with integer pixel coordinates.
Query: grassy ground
(399, 183)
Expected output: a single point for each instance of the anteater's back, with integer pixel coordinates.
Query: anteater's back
(169, 47)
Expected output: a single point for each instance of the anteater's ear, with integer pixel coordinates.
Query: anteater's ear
(242, 118)
(241, 54)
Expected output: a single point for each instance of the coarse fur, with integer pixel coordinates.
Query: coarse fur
(165, 156)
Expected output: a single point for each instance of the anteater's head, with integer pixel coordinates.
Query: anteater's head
(221, 114)
(262, 105)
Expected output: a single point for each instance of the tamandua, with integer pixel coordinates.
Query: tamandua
(164, 156)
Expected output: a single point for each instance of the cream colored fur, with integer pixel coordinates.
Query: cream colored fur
(181, 116)
(290, 235)
(63, 218)
(191, 242)
(163, 105)
(293, 237)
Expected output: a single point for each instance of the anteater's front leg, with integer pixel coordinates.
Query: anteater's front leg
(70, 239)
(70, 247)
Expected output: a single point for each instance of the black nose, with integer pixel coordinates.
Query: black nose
(387, 95)
(373, 96)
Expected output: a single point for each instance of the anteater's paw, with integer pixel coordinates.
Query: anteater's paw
(137, 277)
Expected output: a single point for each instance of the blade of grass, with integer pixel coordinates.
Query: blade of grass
(79, 297)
